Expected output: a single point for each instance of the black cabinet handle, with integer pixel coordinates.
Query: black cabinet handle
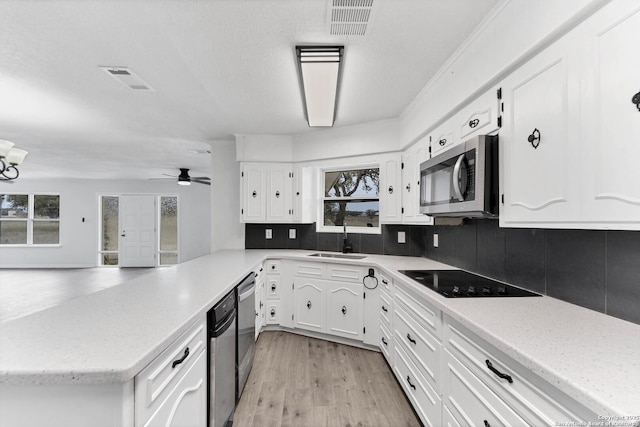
(636, 100)
(344, 310)
(411, 339)
(254, 194)
(498, 373)
(486, 423)
(182, 359)
(442, 142)
(309, 305)
(273, 312)
(273, 267)
(391, 189)
(384, 342)
(534, 138)
(261, 304)
(409, 381)
(385, 282)
(277, 194)
(474, 123)
(385, 309)
(409, 187)
(273, 287)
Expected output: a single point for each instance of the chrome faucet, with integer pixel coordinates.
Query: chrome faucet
(346, 246)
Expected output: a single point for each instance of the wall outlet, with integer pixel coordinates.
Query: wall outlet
(402, 238)
(268, 234)
(435, 240)
(292, 233)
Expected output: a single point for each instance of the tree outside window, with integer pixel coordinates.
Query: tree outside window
(352, 197)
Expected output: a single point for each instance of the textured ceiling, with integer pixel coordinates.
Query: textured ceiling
(218, 67)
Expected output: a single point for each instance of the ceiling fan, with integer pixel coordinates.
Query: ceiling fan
(185, 179)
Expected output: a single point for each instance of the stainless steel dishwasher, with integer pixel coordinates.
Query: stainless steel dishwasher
(246, 296)
(221, 320)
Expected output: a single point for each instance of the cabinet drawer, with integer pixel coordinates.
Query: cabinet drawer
(344, 273)
(538, 402)
(425, 400)
(385, 282)
(273, 286)
(273, 265)
(420, 345)
(154, 383)
(310, 269)
(386, 344)
(470, 401)
(386, 309)
(272, 312)
(424, 313)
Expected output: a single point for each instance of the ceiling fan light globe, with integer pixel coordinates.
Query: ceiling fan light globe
(180, 182)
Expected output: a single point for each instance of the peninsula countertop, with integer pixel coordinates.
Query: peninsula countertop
(111, 335)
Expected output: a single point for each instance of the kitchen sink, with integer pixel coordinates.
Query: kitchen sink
(346, 256)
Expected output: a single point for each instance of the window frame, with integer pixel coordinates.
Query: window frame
(31, 220)
(320, 227)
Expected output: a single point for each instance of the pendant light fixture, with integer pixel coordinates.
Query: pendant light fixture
(10, 157)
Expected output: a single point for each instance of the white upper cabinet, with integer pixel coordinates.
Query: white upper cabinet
(390, 189)
(267, 192)
(612, 117)
(540, 130)
(411, 159)
(441, 139)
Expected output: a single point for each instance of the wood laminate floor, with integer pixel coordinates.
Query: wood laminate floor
(301, 381)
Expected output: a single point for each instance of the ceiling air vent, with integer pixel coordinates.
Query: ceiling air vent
(349, 17)
(127, 77)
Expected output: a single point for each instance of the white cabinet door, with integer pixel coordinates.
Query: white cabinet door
(613, 64)
(390, 190)
(411, 160)
(537, 140)
(253, 197)
(345, 310)
(479, 118)
(187, 403)
(442, 138)
(279, 200)
(309, 304)
(371, 316)
(260, 299)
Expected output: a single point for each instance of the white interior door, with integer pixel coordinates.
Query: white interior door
(137, 231)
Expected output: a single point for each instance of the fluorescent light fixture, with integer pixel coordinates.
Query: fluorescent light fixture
(320, 69)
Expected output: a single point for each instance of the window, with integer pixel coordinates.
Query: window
(351, 197)
(167, 247)
(29, 219)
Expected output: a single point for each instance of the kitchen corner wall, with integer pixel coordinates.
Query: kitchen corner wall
(599, 270)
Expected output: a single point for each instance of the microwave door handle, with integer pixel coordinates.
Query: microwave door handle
(456, 179)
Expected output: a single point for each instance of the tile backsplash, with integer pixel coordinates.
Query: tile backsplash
(596, 269)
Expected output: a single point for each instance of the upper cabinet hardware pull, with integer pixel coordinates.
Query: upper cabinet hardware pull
(273, 287)
(443, 142)
(498, 373)
(385, 309)
(344, 310)
(254, 194)
(391, 189)
(636, 100)
(179, 361)
(309, 305)
(277, 193)
(409, 187)
(486, 423)
(411, 339)
(473, 123)
(534, 138)
(409, 381)
(273, 267)
(384, 341)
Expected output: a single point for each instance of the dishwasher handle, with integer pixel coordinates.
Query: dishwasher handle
(222, 327)
(246, 292)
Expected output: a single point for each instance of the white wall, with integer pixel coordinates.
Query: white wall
(79, 240)
(264, 148)
(226, 230)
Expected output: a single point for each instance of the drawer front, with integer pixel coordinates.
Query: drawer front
(539, 405)
(154, 383)
(448, 420)
(420, 345)
(345, 273)
(386, 344)
(272, 312)
(310, 269)
(386, 309)
(273, 265)
(470, 401)
(425, 400)
(425, 313)
(385, 282)
(273, 286)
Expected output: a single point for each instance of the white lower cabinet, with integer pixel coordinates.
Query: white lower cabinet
(344, 310)
(309, 311)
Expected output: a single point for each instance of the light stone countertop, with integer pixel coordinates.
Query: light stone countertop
(111, 335)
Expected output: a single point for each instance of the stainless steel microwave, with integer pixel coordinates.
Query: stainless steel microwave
(462, 181)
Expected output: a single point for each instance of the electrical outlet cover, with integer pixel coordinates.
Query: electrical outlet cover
(268, 234)
(435, 241)
(292, 233)
(402, 238)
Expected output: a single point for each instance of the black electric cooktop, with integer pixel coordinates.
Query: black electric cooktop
(462, 284)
